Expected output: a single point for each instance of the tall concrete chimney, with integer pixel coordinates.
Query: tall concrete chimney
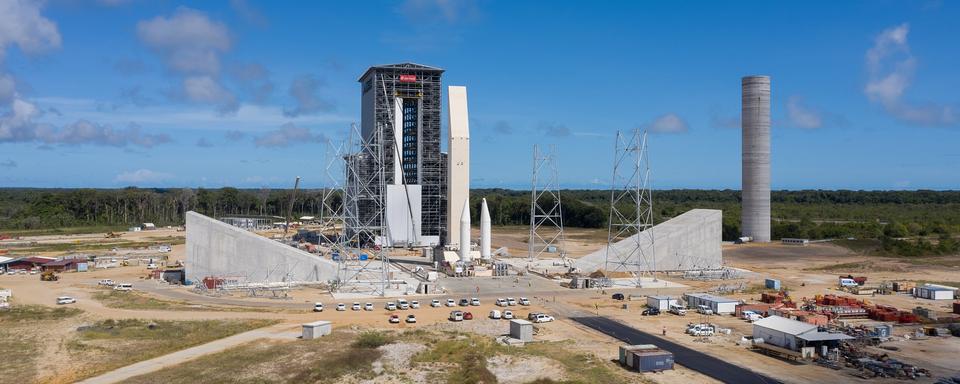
(755, 120)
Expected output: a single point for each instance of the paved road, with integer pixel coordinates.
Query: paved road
(697, 361)
(279, 331)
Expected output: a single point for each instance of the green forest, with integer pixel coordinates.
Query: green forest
(906, 221)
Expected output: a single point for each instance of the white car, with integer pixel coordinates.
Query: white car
(403, 304)
(165, 248)
(66, 300)
(508, 314)
(105, 282)
(391, 306)
(543, 318)
(475, 301)
(33, 271)
(341, 307)
(368, 307)
(456, 316)
(414, 304)
(495, 314)
(123, 287)
(751, 316)
(511, 301)
(411, 319)
(451, 303)
(435, 303)
(524, 301)
(355, 306)
(151, 266)
(318, 307)
(501, 302)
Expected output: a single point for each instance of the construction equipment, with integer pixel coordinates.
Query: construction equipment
(112, 235)
(293, 197)
(49, 276)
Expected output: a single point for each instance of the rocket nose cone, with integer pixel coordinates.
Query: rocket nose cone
(465, 214)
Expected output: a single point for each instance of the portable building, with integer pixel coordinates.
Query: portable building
(935, 292)
(791, 241)
(645, 358)
(772, 284)
(662, 303)
(521, 330)
(316, 329)
(794, 335)
(716, 303)
(148, 226)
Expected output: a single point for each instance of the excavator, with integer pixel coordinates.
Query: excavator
(112, 235)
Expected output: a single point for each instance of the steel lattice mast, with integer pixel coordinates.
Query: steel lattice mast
(546, 212)
(631, 208)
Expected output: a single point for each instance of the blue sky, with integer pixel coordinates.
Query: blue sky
(246, 93)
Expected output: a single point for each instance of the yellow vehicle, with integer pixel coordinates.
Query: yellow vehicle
(49, 276)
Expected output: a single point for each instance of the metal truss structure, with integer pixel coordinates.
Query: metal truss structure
(631, 207)
(546, 212)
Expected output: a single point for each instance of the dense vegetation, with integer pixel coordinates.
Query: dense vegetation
(907, 221)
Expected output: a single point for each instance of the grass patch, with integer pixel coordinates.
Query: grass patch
(139, 301)
(372, 340)
(64, 231)
(19, 357)
(31, 313)
(101, 245)
(323, 360)
(111, 344)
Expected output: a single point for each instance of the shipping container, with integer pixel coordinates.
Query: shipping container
(772, 284)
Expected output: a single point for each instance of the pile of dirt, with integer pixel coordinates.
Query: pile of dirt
(515, 369)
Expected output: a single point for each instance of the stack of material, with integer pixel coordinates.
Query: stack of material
(956, 307)
(645, 358)
(880, 365)
(883, 313)
(904, 286)
(758, 308)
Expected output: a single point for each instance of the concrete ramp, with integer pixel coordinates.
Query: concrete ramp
(690, 241)
(215, 248)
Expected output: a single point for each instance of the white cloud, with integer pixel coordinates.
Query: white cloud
(668, 123)
(304, 89)
(7, 88)
(18, 126)
(449, 11)
(9, 163)
(22, 24)
(288, 134)
(188, 41)
(142, 176)
(554, 130)
(890, 69)
(801, 116)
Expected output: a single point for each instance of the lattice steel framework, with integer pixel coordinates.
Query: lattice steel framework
(332, 206)
(364, 176)
(631, 207)
(546, 211)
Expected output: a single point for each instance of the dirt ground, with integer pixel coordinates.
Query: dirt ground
(806, 271)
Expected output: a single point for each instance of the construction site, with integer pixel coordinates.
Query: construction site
(398, 277)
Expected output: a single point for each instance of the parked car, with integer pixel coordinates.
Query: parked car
(467, 316)
(475, 301)
(318, 307)
(524, 301)
(650, 312)
(341, 307)
(394, 319)
(390, 306)
(66, 300)
(501, 302)
(456, 315)
(152, 266)
(123, 287)
(495, 314)
(451, 303)
(403, 304)
(703, 309)
(508, 314)
(511, 301)
(678, 310)
(751, 316)
(411, 319)
(618, 296)
(368, 307)
(105, 282)
(700, 330)
(532, 316)
(464, 302)
(414, 304)
(355, 306)
(543, 318)
(435, 303)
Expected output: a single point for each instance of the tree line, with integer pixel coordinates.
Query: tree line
(812, 214)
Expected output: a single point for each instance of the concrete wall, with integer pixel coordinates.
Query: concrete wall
(217, 248)
(755, 117)
(690, 241)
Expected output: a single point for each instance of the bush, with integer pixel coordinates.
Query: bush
(372, 340)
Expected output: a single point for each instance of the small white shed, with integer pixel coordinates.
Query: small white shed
(935, 292)
(316, 329)
(521, 330)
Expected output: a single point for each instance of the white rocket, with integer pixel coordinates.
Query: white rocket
(484, 231)
(465, 232)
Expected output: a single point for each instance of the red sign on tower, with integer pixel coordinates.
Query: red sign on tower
(408, 78)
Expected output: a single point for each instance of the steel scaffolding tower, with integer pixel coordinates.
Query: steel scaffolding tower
(546, 213)
(631, 207)
(332, 206)
(364, 265)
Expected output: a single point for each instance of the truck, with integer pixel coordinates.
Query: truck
(700, 329)
(859, 280)
(847, 283)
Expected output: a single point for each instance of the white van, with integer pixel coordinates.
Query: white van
(677, 310)
(123, 287)
(845, 282)
(495, 314)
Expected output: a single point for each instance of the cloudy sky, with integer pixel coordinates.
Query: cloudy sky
(246, 93)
